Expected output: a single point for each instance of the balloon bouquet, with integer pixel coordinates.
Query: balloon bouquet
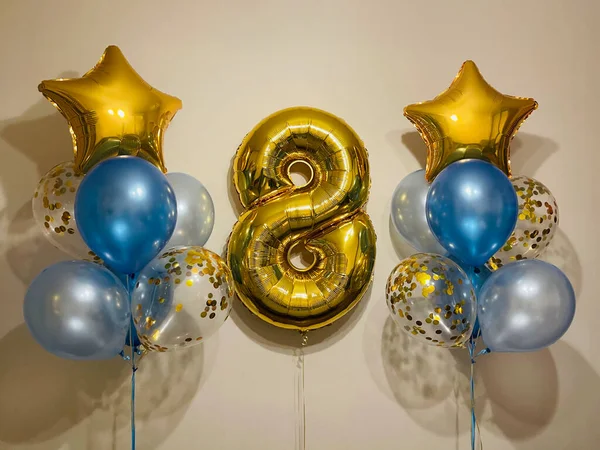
(479, 232)
(142, 278)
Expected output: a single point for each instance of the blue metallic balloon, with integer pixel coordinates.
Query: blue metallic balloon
(408, 213)
(195, 211)
(472, 210)
(78, 310)
(525, 306)
(126, 212)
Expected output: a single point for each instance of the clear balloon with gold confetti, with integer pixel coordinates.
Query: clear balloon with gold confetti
(432, 299)
(537, 222)
(53, 207)
(181, 298)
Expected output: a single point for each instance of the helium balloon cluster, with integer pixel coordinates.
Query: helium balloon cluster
(465, 212)
(478, 231)
(142, 277)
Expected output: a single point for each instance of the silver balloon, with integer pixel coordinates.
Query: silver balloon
(53, 207)
(408, 213)
(525, 306)
(195, 211)
(78, 310)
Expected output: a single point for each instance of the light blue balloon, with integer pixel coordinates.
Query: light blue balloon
(195, 211)
(525, 306)
(408, 213)
(78, 310)
(472, 210)
(126, 212)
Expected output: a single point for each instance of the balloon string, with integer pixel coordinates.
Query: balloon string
(300, 400)
(474, 425)
(133, 368)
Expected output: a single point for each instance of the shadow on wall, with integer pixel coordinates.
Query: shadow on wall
(54, 401)
(537, 401)
(527, 151)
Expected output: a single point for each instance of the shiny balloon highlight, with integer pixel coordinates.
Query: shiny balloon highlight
(126, 212)
(472, 210)
(525, 306)
(78, 310)
(195, 211)
(409, 216)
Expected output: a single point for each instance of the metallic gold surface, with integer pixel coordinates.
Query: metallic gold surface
(325, 216)
(469, 120)
(112, 111)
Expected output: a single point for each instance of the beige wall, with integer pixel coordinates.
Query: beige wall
(232, 63)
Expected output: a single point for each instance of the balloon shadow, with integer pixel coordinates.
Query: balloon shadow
(286, 341)
(563, 255)
(527, 151)
(58, 402)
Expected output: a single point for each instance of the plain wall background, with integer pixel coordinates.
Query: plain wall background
(233, 63)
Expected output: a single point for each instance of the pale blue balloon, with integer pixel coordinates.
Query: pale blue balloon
(78, 310)
(408, 213)
(195, 211)
(525, 306)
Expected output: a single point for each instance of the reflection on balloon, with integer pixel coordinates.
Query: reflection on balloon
(536, 225)
(181, 298)
(525, 306)
(408, 213)
(432, 299)
(471, 210)
(126, 212)
(53, 207)
(78, 310)
(325, 216)
(112, 111)
(470, 119)
(195, 211)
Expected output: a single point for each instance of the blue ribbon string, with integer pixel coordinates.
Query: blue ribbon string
(471, 347)
(133, 368)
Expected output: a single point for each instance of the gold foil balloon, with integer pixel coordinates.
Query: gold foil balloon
(53, 207)
(432, 299)
(325, 216)
(469, 120)
(181, 298)
(536, 224)
(112, 111)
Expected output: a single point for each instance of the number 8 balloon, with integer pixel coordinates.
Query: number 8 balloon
(325, 216)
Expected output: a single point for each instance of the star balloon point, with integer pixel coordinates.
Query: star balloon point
(112, 111)
(470, 119)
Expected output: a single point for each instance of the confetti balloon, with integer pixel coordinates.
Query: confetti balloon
(181, 298)
(432, 299)
(536, 224)
(53, 207)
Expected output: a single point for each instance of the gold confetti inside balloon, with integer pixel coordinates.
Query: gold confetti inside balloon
(53, 207)
(181, 298)
(325, 216)
(112, 111)
(432, 299)
(536, 224)
(469, 120)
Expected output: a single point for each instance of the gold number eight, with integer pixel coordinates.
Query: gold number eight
(325, 216)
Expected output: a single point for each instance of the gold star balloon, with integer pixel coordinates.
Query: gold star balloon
(112, 111)
(469, 120)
